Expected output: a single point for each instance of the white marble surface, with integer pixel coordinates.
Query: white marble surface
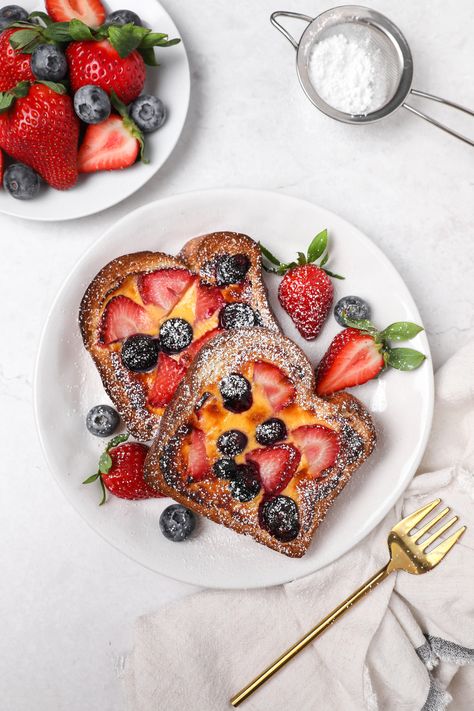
(67, 599)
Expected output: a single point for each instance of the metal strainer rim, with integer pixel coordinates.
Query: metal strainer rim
(381, 23)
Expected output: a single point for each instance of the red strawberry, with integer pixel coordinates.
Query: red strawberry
(109, 145)
(277, 387)
(91, 12)
(209, 299)
(122, 318)
(276, 465)
(319, 444)
(169, 373)
(188, 355)
(164, 287)
(198, 463)
(306, 292)
(353, 358)
(40, 128)
(121, 469)
(99, 63)
(14, 66)
(360, 353)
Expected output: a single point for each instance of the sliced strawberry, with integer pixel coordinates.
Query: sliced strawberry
(198, 463)
(107, 146)
(169, 373)
(122, 318)
(164, 287)
(188, 355)
(276, 465)
(352, 358)
(278, 388)
(320, 446)
(91, 12)
(209, 299)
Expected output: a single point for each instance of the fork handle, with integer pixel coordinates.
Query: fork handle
(310, 636)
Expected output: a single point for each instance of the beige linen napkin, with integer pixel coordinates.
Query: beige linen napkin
(408, 646)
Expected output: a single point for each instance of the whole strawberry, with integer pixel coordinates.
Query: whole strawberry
(306, 291)
(121, 470)
(14, 66)
(100, 64)
(38, 127)
(360, 353)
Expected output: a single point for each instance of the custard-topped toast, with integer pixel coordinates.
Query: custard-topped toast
(247, 443)
(145, 316)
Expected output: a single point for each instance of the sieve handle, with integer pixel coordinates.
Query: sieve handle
(433, 121)
(280, 28)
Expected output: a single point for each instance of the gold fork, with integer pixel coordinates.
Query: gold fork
(407, 552)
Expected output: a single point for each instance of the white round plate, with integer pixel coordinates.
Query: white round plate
(98, 191)
(67, 385)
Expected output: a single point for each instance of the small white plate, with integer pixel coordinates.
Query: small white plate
(98, 191)
(67, 385)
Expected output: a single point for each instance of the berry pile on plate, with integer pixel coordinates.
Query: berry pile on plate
(71, 101)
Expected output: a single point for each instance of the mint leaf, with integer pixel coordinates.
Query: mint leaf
(126, 38)
(317, 246)
(401, 331)
(405, 358)
(79, 31)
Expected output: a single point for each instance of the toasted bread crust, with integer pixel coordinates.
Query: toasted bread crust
(200, 251)
(123, 388)
(342, 412)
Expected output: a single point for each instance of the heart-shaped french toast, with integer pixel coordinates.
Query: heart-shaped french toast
(145, 316)
(247, 443)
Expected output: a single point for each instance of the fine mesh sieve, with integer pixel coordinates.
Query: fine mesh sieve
(385, 41)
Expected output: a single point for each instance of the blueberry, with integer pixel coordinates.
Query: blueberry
(353, 307)
(177, 523)
(245, 485)
(225, 468)
(148, 112)
(92, 104)
(236, 392)
(11, 13)
(123, 17)
(140, 353)
(280, 518)
(175, 335)
(21, 181)
(232, 442)
(271, 431)
(231, 269)
(48, 63)
(237, 315)
(102, 420)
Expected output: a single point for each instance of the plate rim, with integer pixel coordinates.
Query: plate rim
(398, 490)
(140, 184)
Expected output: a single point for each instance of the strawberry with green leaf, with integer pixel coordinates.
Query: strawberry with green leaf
(360, 353)
(38, 127)
(120, 471)
(306, 291)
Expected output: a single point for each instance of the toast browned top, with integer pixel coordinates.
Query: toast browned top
(138, 293)
(324, 441)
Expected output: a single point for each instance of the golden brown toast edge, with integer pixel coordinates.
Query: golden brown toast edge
(343, 412)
